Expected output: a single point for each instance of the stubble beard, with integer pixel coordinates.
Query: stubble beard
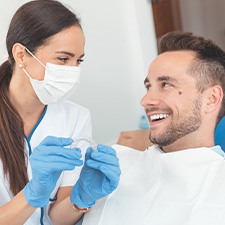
(190, 123)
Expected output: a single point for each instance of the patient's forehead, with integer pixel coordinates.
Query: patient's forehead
(171, 63)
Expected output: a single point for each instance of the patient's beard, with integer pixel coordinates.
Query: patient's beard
(191, 122)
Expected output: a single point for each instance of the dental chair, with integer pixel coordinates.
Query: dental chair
(220, 134)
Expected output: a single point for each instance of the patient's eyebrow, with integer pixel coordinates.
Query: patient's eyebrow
(160, 79)
(167, 78)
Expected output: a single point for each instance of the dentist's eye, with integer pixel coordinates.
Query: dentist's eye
(79, 61)
(63, 59)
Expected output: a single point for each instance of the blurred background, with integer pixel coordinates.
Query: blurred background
(121, 41)
(202, 17)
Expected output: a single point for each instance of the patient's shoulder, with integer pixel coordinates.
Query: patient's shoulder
(127, 156)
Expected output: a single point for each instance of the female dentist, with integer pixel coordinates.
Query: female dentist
(40, 177)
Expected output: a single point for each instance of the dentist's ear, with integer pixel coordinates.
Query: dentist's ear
(214, 98)
(18, 52)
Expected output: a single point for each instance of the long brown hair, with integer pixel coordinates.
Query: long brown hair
(32, 25)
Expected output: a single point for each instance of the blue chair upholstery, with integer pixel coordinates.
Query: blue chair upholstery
(220, 134)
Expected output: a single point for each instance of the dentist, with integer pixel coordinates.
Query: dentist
(41, 180)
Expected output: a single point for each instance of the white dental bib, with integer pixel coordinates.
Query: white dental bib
(156, 188)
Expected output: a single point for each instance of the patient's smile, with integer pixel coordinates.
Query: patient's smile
(158, 117)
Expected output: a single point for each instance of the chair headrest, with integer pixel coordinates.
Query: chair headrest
(220, 134)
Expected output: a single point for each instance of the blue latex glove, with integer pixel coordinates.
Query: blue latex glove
(98, 178)
(47, 161)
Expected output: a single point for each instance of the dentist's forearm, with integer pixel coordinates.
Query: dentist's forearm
(16, 211)
(62, 212)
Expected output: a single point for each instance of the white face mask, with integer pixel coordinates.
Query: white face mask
(59, 82)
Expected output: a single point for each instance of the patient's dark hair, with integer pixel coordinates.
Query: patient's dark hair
(209, 66)
(32, 26)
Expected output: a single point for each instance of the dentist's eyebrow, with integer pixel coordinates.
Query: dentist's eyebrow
(66, 53)
(81, 56)
(69, 54)
(167, 78)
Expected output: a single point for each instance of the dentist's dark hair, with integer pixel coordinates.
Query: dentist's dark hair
(33, 25)
(208, 67)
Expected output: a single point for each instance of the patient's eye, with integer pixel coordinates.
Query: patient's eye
(147, 85)
(166, 85)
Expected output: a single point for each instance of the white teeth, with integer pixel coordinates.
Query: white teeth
(159, 116)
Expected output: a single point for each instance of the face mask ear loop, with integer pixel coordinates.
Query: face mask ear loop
(21, 66)
(34, 56)
(27, 73)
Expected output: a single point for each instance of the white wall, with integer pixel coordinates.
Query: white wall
(204, 17)
(120, 44)
(191, 16)
(214, 18)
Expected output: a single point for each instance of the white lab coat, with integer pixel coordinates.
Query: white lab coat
(64, 119)
(180, 188)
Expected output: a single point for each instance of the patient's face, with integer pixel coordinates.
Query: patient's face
(172, 102)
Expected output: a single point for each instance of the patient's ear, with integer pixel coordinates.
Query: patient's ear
(214, 98)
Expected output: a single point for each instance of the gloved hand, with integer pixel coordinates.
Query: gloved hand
(98, 178)
(47, 161)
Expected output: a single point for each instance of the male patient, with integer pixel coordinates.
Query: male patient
(181, 179)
